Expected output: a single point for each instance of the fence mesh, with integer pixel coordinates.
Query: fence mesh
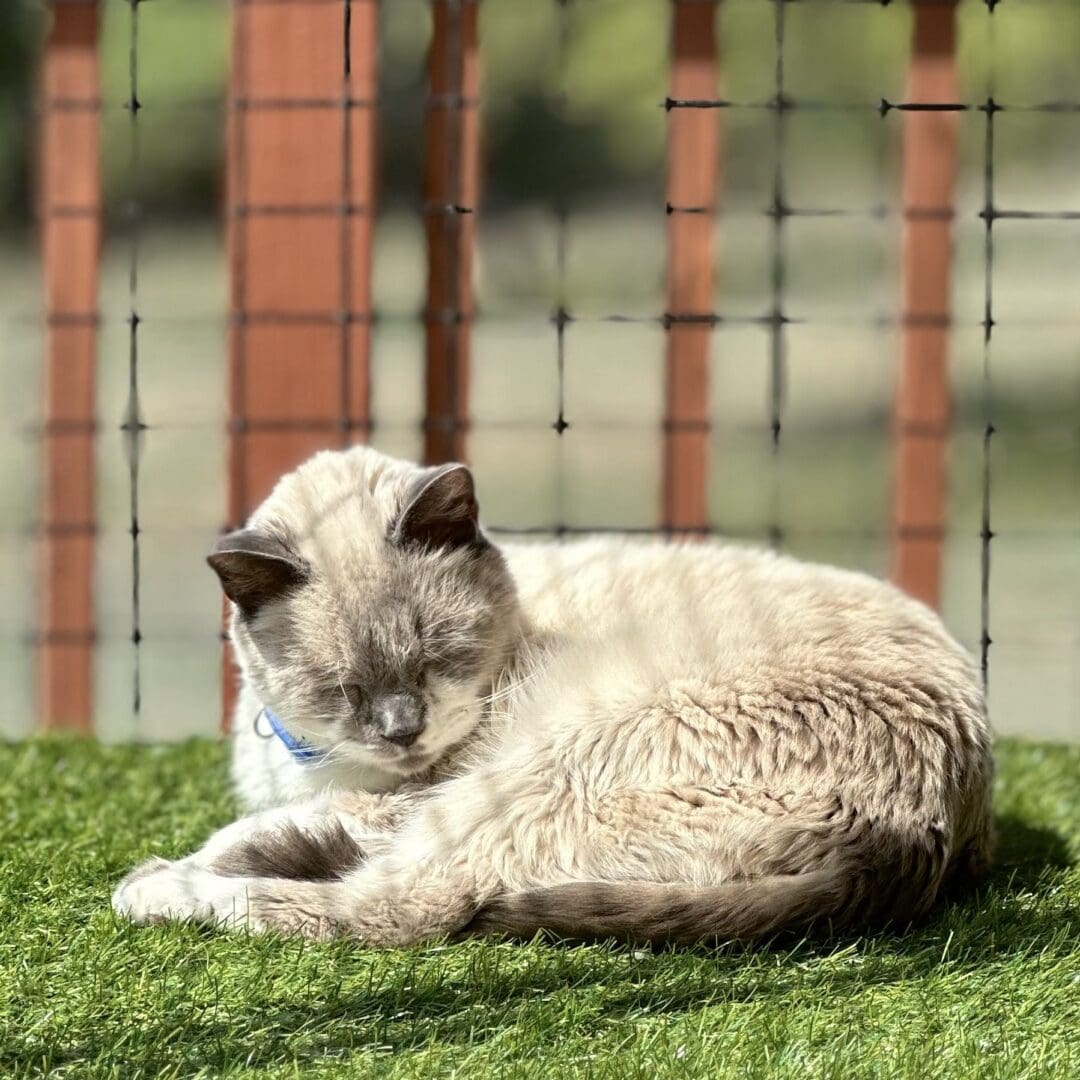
(643, 263)
(133, 425)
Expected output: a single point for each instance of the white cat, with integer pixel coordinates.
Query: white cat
(607, 737)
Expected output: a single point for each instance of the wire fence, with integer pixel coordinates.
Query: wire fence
(301, 206)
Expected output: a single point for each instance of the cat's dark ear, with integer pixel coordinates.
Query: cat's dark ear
(255, 568)
(440, 510)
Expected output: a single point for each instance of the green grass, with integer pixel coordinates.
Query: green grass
(990, 988)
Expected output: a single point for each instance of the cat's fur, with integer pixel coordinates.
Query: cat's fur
(665, 742)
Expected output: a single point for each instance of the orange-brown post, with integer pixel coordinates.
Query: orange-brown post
(69, 205)
(922, 395)
(451, 188)
(301, 191)
(693, 167)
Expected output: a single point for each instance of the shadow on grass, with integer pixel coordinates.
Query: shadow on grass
(420, 1005)
(1027, 850)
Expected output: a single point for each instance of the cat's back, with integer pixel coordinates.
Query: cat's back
(731, 604)
(722, 664)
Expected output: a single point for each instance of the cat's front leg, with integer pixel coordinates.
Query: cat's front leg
(322, 839)
(182, 891)
(424, 885)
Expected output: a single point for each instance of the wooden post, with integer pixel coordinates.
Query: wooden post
(301, 192)
(921, 423)
(451, 188)
(69, 206)
(693, 167)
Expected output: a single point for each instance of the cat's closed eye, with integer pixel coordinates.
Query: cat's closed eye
(451, 657)
(341, 691)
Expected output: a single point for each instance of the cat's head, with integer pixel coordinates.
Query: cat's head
(370, 613)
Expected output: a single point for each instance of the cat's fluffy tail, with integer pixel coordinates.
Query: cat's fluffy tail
(651, 912)
(868, 877)
(839, 869)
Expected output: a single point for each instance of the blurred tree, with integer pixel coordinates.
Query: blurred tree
(21, 29)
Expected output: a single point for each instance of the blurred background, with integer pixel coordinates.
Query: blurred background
(574, 130)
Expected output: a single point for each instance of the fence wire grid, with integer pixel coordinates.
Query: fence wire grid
(699, 344)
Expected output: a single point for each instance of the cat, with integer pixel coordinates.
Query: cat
(605, 738)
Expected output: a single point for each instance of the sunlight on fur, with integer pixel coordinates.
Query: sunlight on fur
(603, 738)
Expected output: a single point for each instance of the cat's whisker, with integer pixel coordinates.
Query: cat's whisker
(434, 654)
(448, 617)
(343, 694)
(509, 690)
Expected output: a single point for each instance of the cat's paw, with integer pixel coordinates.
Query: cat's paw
(160, 891)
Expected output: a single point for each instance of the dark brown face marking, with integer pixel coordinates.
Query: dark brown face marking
(255, 568)
(440, 510)
(399, 718)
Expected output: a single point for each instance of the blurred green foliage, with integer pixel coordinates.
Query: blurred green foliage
(572, 103)
(20, 30)
(182, 60)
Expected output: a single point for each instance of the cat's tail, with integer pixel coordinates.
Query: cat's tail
(840, 892)
(652, 912)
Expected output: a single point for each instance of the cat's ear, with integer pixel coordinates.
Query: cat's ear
(440, 510)
(255, 568)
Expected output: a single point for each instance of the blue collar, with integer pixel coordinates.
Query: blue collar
(301, 751)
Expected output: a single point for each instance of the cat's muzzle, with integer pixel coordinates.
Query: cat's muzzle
(399, 718)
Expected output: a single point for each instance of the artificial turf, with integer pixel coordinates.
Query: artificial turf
(990, 987)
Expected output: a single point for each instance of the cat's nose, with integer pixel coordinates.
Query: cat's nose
(399, 718)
